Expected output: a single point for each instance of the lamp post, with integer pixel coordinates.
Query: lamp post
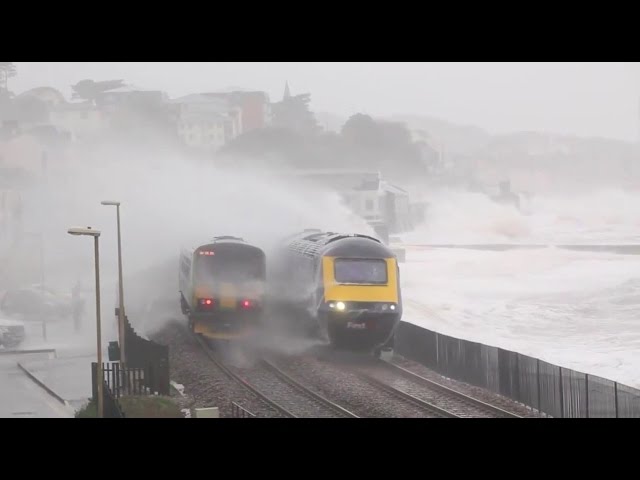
(121, 313)
(95, 234)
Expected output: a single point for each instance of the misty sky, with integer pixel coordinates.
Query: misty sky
(575, 98)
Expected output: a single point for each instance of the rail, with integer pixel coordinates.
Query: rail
(406, 397)
(306, 391)
(238, 411)
(237, 378)
(465, 399)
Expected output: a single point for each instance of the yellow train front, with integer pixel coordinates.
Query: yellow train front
(351, 286)
(222, 285)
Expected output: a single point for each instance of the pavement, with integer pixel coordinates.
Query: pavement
(21, 397)
(48, 378)
(66, 378)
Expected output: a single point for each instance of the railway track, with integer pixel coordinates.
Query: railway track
(292, 399)
(423, 405)
(286, 395)
(457, 403)
(333, 409)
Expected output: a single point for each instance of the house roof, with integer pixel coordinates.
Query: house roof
(40, 90)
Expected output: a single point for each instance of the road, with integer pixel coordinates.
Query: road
(21, 397)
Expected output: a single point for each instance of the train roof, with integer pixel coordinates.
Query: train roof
(315, 242)
(222, 239)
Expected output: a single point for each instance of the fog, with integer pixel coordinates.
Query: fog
(168, 201)
(530, 124)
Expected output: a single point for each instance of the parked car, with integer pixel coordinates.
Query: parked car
(12, 333)
(34, 302)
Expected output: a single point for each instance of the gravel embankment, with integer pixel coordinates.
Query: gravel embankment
(204, 384)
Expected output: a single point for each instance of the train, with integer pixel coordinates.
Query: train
(222, 288)
(349, 284)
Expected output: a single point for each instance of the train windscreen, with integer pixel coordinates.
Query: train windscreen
(361, 271)
(230, 267)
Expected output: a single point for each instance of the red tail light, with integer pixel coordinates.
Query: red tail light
(206, 302)
(246, 304)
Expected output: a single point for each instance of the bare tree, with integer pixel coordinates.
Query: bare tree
(7, 71)
(92, 91)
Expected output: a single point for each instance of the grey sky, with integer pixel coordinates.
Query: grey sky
(575, 98)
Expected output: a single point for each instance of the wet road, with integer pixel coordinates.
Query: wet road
(21, 397)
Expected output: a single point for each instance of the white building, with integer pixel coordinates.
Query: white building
(48, 95)
(367, 194)
(207, 122)
(80, 120)
(202, 130)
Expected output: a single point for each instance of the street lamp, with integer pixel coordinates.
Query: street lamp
(95, 234)
(121, 314)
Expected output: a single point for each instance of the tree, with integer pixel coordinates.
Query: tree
(284, 143)
(385, 146)
(92, 91)
(7, 71)
(363, 131)
(5, 97)
(293, 113)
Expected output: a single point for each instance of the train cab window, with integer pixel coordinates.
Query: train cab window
(360, 271)
(230, 268)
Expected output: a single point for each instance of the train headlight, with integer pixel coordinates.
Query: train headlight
(392, 307)
(340, 306)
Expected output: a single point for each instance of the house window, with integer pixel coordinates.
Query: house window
(368, 204)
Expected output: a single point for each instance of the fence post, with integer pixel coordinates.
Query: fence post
(538, 379)
(94, 384)
(586, 382)
(561, 396)
(615, 389)
(114, 379)
(516, 380)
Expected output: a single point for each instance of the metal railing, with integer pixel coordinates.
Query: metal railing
(550, 389)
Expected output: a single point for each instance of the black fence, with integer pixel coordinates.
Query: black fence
(126, 380)
(111, 407)
(550, 389)
(150, 357)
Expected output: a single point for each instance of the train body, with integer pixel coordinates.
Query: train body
(349, 284)
(222, 287)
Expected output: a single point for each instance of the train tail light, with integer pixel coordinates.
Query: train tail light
(246, 304)
(206, 302)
